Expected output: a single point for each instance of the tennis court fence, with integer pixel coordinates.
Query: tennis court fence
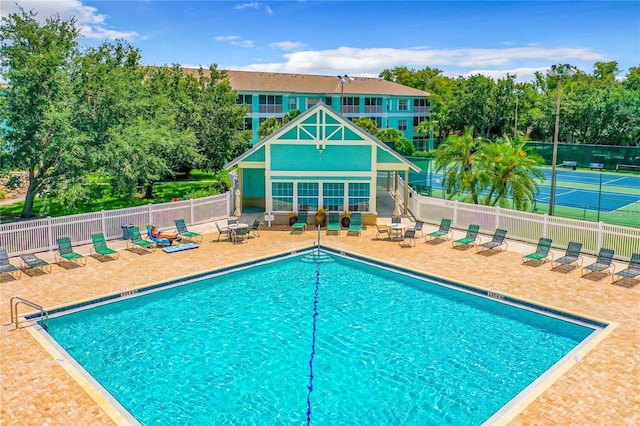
(41, 234)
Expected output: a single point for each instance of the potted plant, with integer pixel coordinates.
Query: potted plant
(346, 219)
(293, 218)
(321, 216)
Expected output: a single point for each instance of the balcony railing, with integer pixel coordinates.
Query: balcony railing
(270, 109)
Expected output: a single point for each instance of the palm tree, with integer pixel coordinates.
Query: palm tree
(458, 154)
(508, 170)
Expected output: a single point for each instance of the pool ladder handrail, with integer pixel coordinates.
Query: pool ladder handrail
(14, 310)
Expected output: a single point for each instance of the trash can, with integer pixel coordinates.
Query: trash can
(125, 230)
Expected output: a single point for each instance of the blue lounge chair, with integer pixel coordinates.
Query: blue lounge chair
(356, 224)
(631, 272)
(444, 231)
(542, 253)
(496, 243)
(602, 264)
(65, 251)
(470, 239)
(6, 267)
(181, 227)
(571, 256)
(159, 242)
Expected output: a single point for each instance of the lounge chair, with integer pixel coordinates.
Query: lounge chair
(6, 267)
(571, 256)
(631, 272)
(301, 223)
(470, 239)
(223, 231)
(100, 246)
(542, 252)
(239, 235)
(181, 227)
(409, 238)
(254, 228)
(382, 232)
(31, 261)
(444, 231)
(65, 251)
(333, 224)
(159, 242)
(356, 224)
(496, 243)
(602, 264)
(136, 239)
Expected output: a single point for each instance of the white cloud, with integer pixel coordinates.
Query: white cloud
(252, 5)
(522, 61)
(287, 45)
(234, 40)
(91, 23)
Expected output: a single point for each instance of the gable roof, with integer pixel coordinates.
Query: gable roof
(299, 122)
(251, 81)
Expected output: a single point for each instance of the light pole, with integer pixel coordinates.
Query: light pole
(559, 70)
(343, 79)
(599, 196)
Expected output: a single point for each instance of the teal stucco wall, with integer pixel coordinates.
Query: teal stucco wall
(335, 158)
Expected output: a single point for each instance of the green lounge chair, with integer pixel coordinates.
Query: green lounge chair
(65, 251)
(254, 228)
(470, 239)
(6, 267)
(497, 242)
(135, 239)
(571, 256)
(333, 224)
(602, 264)
(31, 261)
(301, 224)
(356, 224)
(100, 246)
(631, 272)
(542, 253)
(444, 231)
(181, 226)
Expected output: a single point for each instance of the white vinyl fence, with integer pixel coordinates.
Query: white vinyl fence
(40, 235)
(527, 226)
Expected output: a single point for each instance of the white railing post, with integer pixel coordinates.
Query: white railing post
(50, 232)
(497, 217)
(150, 213)
(545, 222)
(599, 236)
(455, 213)
(191, 209)
(104, 223)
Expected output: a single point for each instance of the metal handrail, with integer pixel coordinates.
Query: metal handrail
(14, 310)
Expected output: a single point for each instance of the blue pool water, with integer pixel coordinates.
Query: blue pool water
(389, 348)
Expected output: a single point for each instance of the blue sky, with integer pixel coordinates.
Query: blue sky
(361, 38)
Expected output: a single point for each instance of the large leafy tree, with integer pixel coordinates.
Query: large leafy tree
(38, 111)
(401, 144)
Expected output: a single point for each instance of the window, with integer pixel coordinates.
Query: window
(293, 103)
(402, 125)
(403, 105)
(377, 120)
(308, 196)
(333, 197)
(312, 101)
(418, 120)
(247, 124)
(270, 104)
(282, 194)
(244, 100)
(421, 105)
(350, 104)
(359, 194)
(328, 100)
(372, 105)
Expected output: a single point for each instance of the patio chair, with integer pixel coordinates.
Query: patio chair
(159, 242)
(31, 261)
(542, 253)
(239, 235)
(571, 256)
(409, 238)
(65, 251)
(254, 228)
(396, 219)
(135, 239)
(602, 264)
(181, 227)
(232, 221)
(496, 243)
(382, 232)
(6, 267)
(301, 224)
(356, 224)
(631, 272)
(444, 231)
(222, 231)
(100, 246)
(333, 224)
(470, 239)
(418, 228)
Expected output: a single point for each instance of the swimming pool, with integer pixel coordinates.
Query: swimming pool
(390, 348)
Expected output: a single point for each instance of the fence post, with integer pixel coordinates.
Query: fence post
(150, 213)
(545, 222)
(104, 225)
(50, 233)
(600, 235)
(497, 217)
(191, 208)
(455, 213)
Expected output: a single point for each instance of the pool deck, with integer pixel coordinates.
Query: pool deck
(601, 387)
